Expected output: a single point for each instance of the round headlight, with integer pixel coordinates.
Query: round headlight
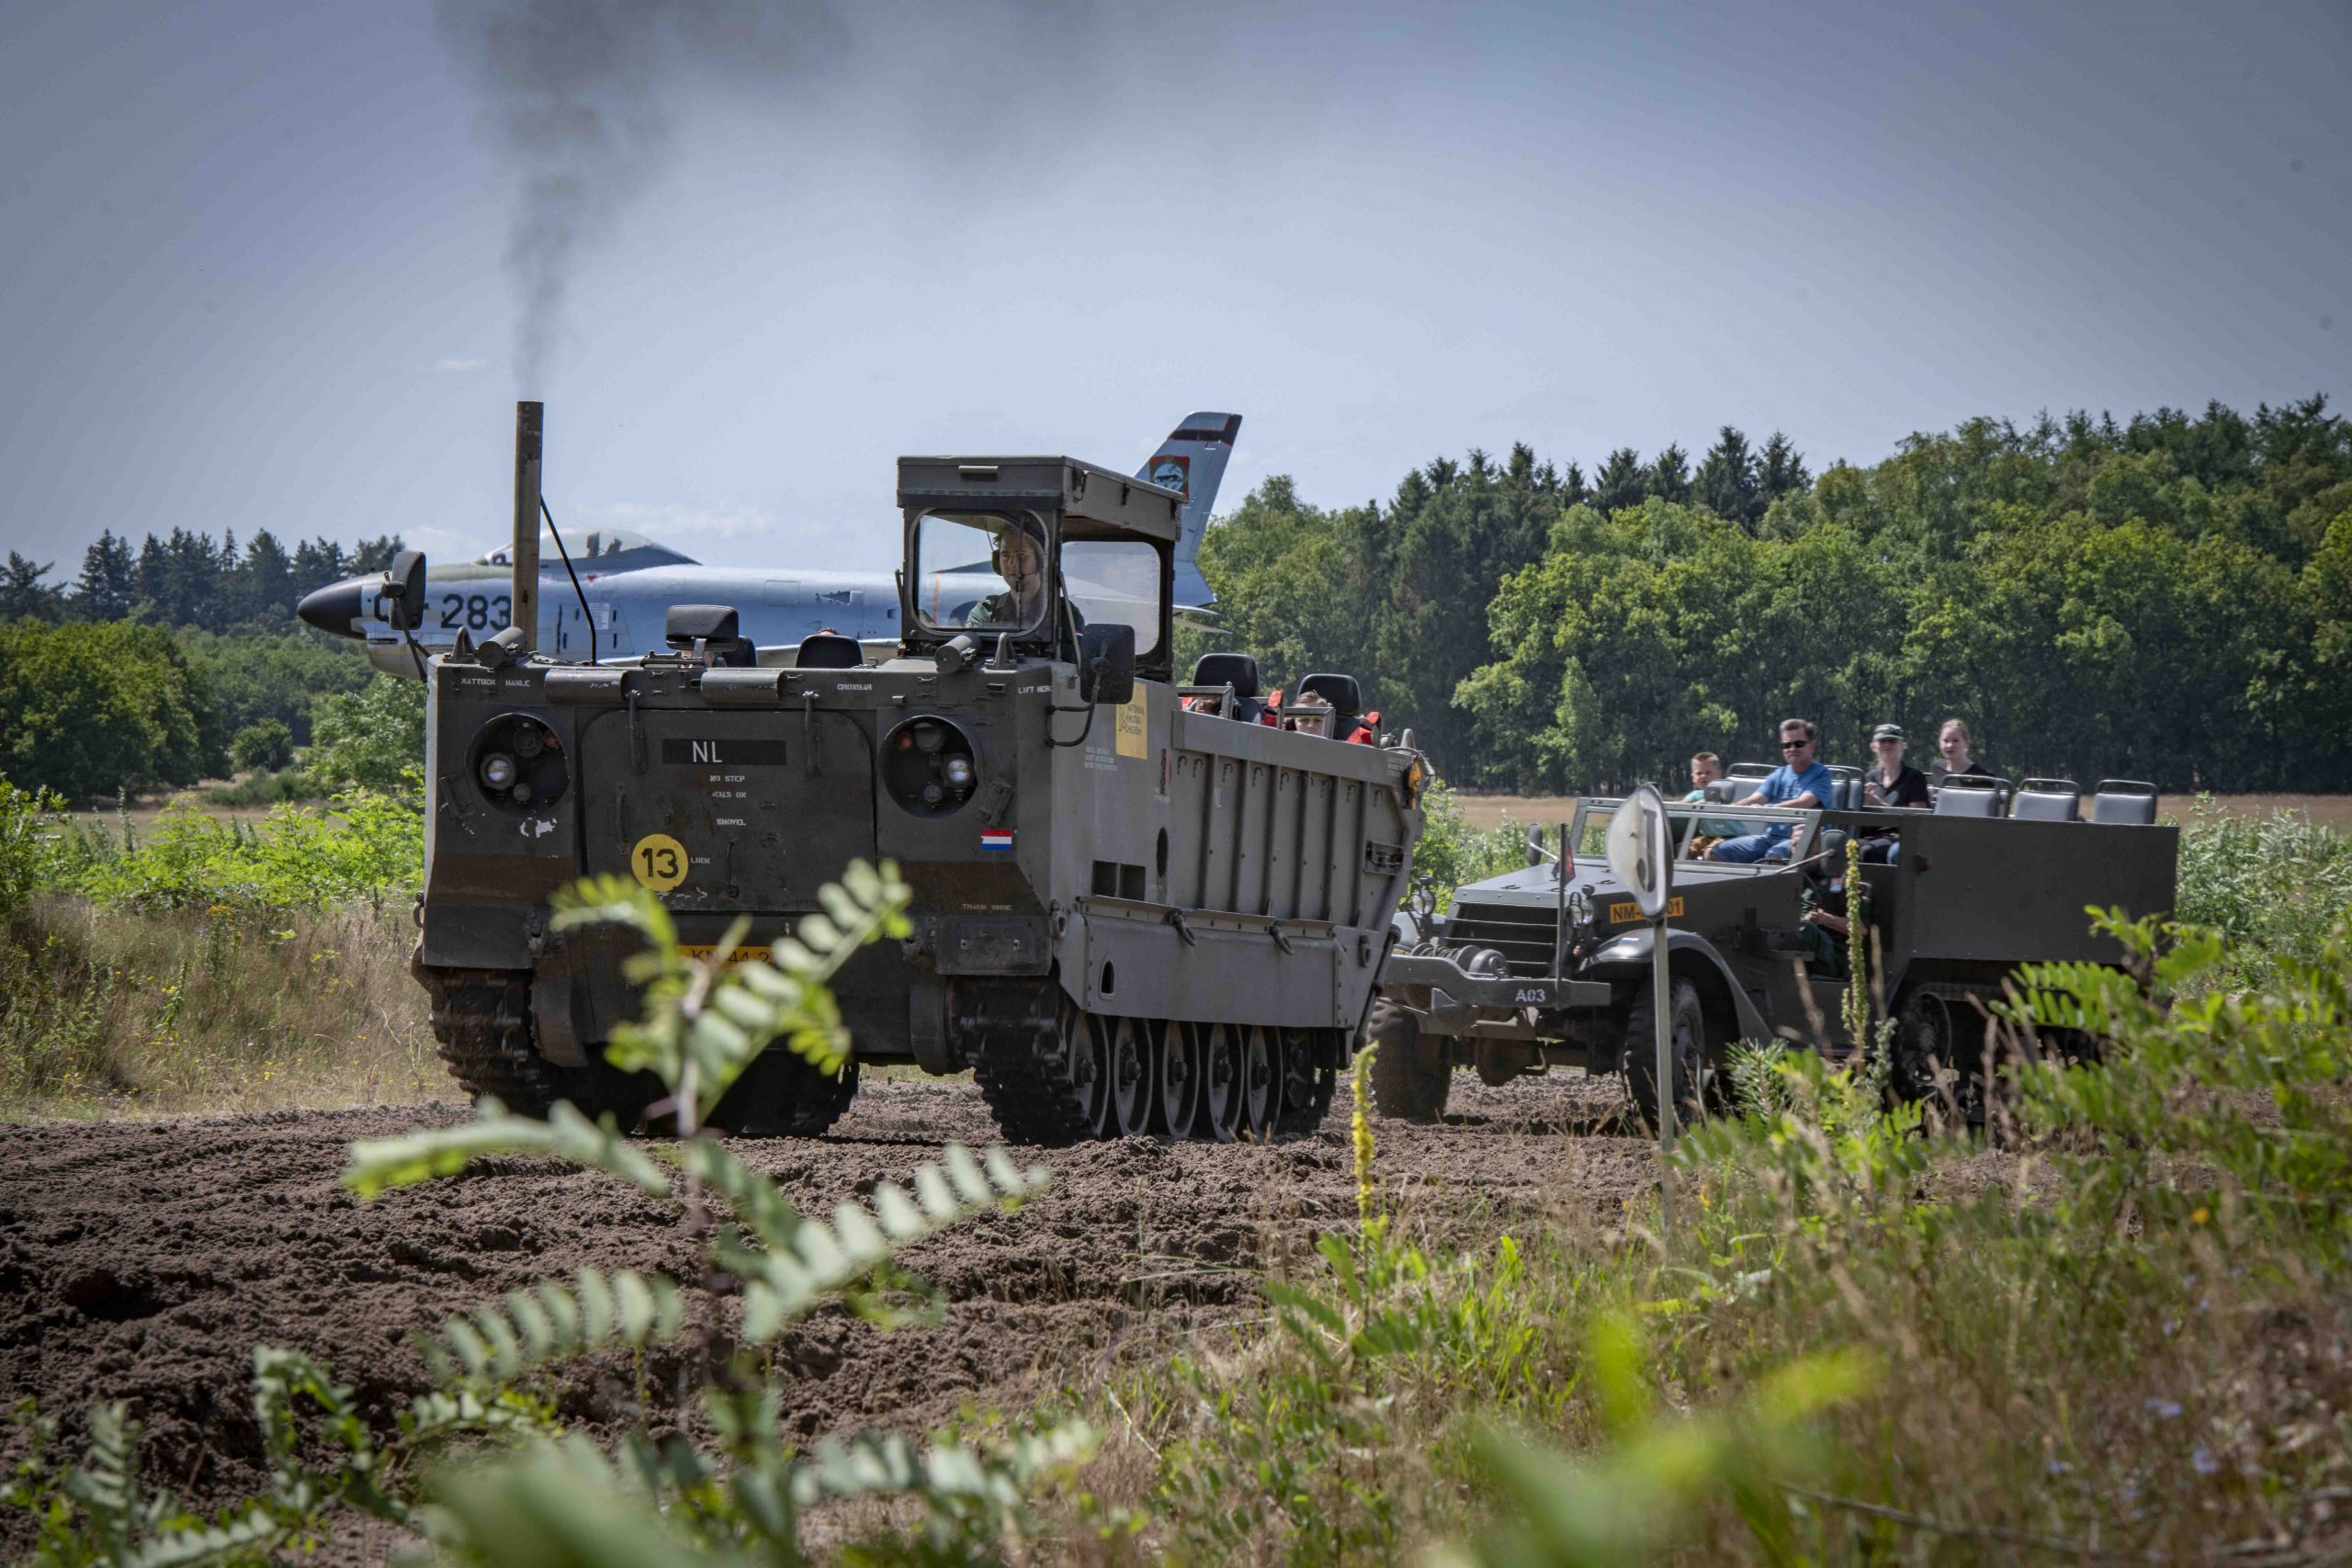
(498, 770)
(959, 772)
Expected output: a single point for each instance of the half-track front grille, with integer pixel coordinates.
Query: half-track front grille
(1522, 933)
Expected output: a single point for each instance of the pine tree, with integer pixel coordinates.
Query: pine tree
(1622, 481)
(1726, 483)
(1669, 477)
(23, 593)
(1780, 470)
(109, 580)
(1574, 491)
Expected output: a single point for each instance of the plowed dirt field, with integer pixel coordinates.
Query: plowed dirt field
(144, 1261)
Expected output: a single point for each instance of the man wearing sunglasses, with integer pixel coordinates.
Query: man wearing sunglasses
(1800, 783)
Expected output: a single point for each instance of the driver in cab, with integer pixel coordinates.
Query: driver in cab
(1019, 558)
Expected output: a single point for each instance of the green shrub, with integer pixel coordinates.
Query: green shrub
(372, 738)
(2270, 887)
(88, 707)
(1451, 853)
(32, 843)
(298, 857)
(264, 745)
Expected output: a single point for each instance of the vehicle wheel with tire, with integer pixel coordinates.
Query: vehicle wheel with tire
(1695, 1065)
(1410, 1078)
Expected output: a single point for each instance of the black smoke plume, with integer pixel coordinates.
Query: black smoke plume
(580, 92)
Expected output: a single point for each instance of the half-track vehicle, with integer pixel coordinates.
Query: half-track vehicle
(1131, 912)
(1551, 965)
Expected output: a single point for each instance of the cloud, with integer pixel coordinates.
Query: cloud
(457, 367)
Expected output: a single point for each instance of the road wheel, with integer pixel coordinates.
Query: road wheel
(1261, 1082)
(1134, 1078)
(781, 1096)
(1693, 1061)
(1219, 1116)
(1410, 1079)
(1182, 1082)
(1939, 1055)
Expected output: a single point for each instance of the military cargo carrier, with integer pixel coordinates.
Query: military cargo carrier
(1135, 908)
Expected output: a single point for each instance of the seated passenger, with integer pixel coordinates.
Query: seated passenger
(1708, 832)
(1956, 761)
(1892, 784)
(1799, 782)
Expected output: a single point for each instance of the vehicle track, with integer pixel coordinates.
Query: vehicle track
(144, 1260)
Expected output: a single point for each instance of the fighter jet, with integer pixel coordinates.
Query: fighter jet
(630, 583)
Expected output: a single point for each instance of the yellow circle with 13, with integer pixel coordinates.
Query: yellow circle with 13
(658, 861)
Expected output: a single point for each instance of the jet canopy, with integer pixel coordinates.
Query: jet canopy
(599, 544)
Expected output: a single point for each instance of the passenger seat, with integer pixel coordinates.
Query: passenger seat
(1957, 798)
(2125, 802)
(2047, 800)
(1238, 670)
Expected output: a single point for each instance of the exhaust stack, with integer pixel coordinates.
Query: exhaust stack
(526, 553)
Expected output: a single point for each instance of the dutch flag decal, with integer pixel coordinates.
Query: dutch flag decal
(996, 838)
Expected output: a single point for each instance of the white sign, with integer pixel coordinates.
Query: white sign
(1641, 849)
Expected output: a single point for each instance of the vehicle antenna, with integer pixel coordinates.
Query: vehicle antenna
(587, 620)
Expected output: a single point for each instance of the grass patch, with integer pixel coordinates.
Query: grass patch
(2115, 1328)
(177, 1012)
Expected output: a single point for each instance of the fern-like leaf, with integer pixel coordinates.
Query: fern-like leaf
(380, 1163)
(951, 1478)
(500, 1341)
(784, 1281)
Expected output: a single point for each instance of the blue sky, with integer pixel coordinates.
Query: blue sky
(253, 256)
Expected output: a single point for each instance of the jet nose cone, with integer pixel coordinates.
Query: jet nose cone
(335, 608)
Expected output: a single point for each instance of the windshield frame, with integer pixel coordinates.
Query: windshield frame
(1040, 525)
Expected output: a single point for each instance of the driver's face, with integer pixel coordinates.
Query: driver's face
(1021, 564)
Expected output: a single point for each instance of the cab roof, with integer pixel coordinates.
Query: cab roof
(1084, 493)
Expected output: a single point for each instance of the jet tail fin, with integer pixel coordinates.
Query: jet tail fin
(1192, 460)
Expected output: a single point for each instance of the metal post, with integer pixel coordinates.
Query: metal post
(524, 591)
(1662, 1013)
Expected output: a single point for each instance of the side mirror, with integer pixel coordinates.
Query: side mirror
(1535, 855)
(1106, 664)
(402, 597)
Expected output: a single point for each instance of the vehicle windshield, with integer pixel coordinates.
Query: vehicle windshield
(1115, 582)
(1694, 827)
(981, 571)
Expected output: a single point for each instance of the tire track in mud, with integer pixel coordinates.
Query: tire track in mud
(144, 1261)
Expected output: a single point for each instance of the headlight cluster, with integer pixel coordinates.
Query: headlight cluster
(518, 763)
(928, 767)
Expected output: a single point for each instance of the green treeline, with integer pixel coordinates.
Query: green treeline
(183, 579)
(2168, 599)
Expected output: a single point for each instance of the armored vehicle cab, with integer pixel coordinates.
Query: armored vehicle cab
(1128, 916)
(1551, 965)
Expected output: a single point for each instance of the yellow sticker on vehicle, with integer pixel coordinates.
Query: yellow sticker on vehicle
(1132, 724)
(740, 956)
(658, 861)
(1628, 910)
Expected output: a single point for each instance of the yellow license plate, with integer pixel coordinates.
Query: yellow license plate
(741, 955)
(1628, 910)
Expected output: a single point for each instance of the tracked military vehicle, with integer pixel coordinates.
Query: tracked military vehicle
(1134, 912)
(1551, 966)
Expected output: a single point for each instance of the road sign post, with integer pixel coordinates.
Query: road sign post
(1640, 854)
